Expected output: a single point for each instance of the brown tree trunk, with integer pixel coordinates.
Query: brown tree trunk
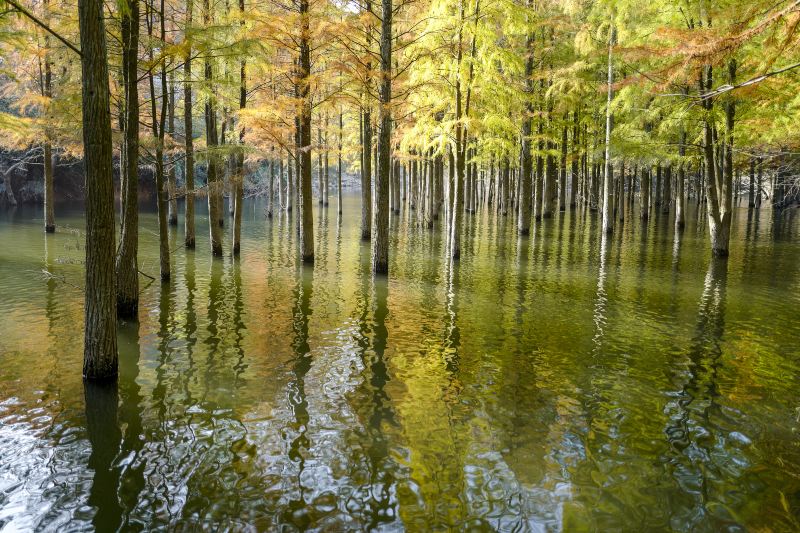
(307, 221)
(380, 241)
(49, 199)
(214, 189)
(171, 181)
(100, 317)
(188, 216)
(238, 178)
(127, 270)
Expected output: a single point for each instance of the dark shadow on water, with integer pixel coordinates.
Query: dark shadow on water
(130, 417)
(102, 426)
(691, 431)
(296, 511)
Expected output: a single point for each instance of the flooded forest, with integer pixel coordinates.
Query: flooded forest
(408, 265)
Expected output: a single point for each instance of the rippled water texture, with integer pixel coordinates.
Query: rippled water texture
(551, 383)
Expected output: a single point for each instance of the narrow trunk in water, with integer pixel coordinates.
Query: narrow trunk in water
(171, 181)
(188, 215)
(126, 263)
(100, 318)
(307, 216)
(380, 240)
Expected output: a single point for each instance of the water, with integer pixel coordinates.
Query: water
(552, 383)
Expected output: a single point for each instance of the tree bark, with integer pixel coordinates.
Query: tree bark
(171, 181)
(380, 241)
(339, 167)
(159, 122)
(214, 189)
(188, 216)
(526, 170)
(307, 221)
(126, 264)
(100, 324)
(47, 149)
(608, 215)
(238, 178)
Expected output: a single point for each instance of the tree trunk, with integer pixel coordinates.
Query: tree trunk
(214, 188)
(680, 193)
(49, 199)
(526, 170)
(238, 175)
(159, 122)
(307, 221)
(126, 264)
(188, 216)
(100, 324)
(380, 242)
(366, 178)
(326, 164)
(644, 194)
(171, 181)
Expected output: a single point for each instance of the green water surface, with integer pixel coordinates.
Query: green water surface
(555, 382)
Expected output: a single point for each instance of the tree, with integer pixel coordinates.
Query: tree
(380, 242)
(100, 327)
(127, 263)
(304, 147)
(608, 214)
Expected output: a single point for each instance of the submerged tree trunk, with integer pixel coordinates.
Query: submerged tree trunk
(644, 194)
(680, 193)
(380, 241)
(339, 167)
(100, 324)
(718, 187)
(188, 216)
(158, 136)
(47, 149)
(526, 170)
(573, 189)
(126, 264)
(307, 221)
(238, 178)
(608, 215)
(366, 178)
(214, 188)
(171, 181)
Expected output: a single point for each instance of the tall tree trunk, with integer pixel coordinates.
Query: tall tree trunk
(326, 181)
(47, 148)
(214, 188)
(366, 178)
(320, 175)
(719, 177)
(608, 216)
(126, 263)
(171, 181)
(666, 196)
(380, 242)
(100, 324)
(526, 170)
(188, 216)
(307, 221)
(290, 192)
(680, 193)
(339, 167)
(238, 177)
(644, 193)
(573, 188)
(159, 122)
(562, 180)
